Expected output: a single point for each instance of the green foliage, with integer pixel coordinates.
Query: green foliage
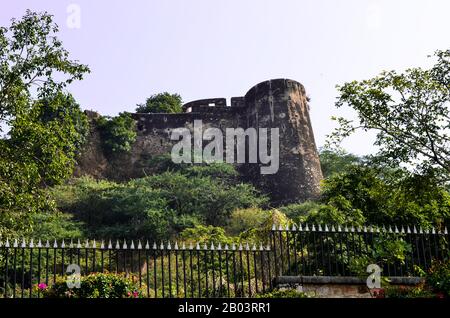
(334, 162)
(206, 234)
(405, 292)
(438, 277)
(282, 293)
(409, 111)
(118, 133)
(242, 220)
(45, 126)
(155, 207)
(56, 226)
(161, 103)
(98, 285)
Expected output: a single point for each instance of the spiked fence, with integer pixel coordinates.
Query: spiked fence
(177, 270)
(163, 270)
(347, 251)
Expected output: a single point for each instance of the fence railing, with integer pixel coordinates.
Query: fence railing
(235, 270)
(161, 270)
(322, 250)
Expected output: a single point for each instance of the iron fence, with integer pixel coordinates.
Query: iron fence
(164, 270)
(235, 270)
(323, 250)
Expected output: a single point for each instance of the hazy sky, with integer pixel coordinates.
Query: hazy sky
(206, 48)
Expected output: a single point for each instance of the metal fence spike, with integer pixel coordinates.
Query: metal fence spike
(94, 244)
(31, 243)
(161, 246)
(55, 244)
(294, 228)
(147, 245)
(306, 227)
(319, 227)
(139, 245)
(274, 227)
(345, 228)
(226, 247)
(433, 230)
(268, 247)
(396, 229)
(241, 247)
(408, 230)
(445, 230)
(402, 229)
(300, 227)
(212, 246)
(326, 228)
(339, 228)
(287, 227)
(16, 243)
(352, 229)
(176, 245)
(86, 244)
(414, 229)
(109, 244)
(333, 229)
(247, 247)
(191, 247)
(420, 230)
(219, 246)
(63, 244)
(125, 245)
(254, 247)
(427, 231)
(233, 247)
(118, 245)
(7, 243)
(313, 229)
(184, 246)
(132, 245)
(71, 243)
(280, 228)
(205, 247)
(169, 246)
(39, 243)
(198, 246)
(102, 244)
(24, 244)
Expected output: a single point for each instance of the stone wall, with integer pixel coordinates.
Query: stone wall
(279, 103)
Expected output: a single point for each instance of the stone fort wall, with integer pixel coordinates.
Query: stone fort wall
(278, 103)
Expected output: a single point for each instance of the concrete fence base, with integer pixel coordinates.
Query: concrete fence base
(337, 286)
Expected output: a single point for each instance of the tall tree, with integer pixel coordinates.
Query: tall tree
(409, 111)
(42, 125)
(161, 103)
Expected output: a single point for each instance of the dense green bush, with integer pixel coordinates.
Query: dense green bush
(98, 285)
(118, 133)
(158, 206)
(438, 277)
(161, 103)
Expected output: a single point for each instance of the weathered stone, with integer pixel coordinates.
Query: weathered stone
(279, 103)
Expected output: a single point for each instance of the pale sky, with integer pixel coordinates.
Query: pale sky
(221, 48)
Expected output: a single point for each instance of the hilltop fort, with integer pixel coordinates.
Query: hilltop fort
(277, 103)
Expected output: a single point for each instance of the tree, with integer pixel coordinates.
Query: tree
(161, 103)
(338, 161)
(409, 111)
(118, 133)
(42, 134)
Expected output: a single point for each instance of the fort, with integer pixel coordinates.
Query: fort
(276, 103)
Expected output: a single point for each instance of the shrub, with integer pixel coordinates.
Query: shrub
(161, 103)
(438, 277)
(118, 133)
(98, 285)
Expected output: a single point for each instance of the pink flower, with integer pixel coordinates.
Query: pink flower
(135, 294)
(128, 294)
(42, 286)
